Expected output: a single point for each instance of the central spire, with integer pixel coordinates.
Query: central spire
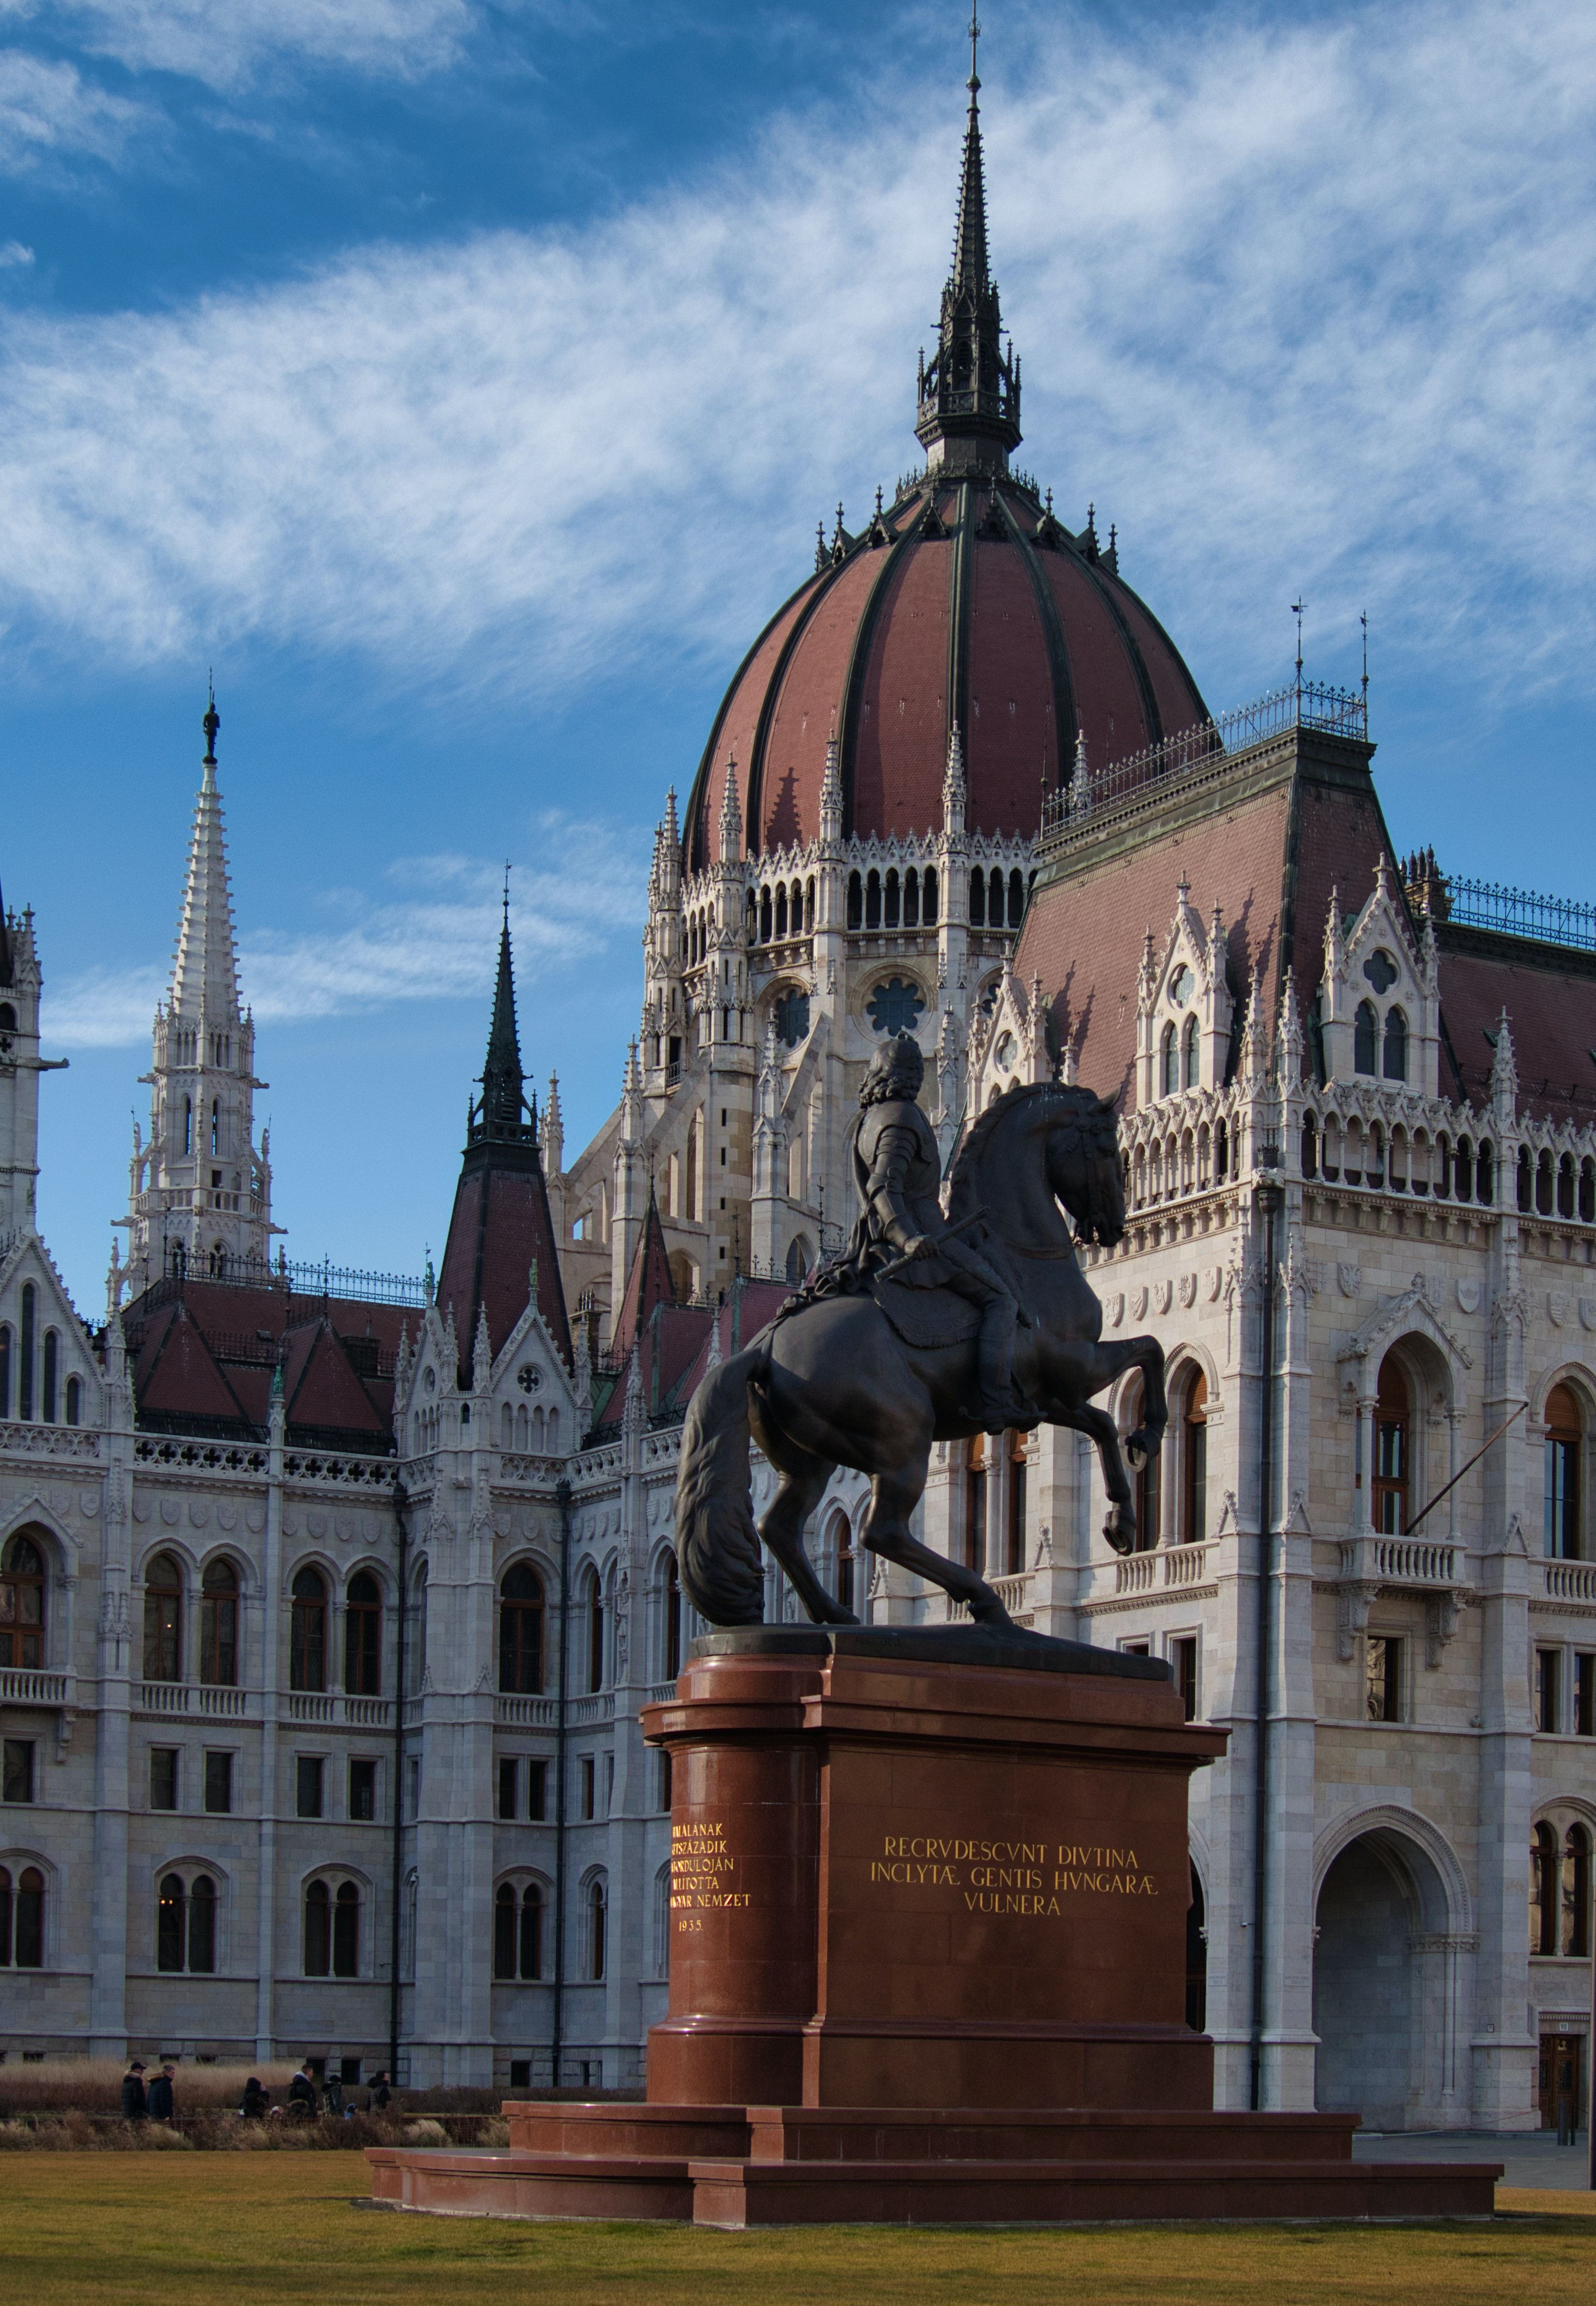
(968, 415)
(500, 1117)
(205, 970)
(970, 239)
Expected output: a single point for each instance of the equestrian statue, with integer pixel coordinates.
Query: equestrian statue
(928, 1328)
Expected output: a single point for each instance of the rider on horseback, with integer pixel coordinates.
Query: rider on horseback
(897, 1171)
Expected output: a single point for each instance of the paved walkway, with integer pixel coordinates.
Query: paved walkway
(1530, 2157)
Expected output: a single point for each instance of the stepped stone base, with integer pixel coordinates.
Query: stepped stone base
(805, 2166)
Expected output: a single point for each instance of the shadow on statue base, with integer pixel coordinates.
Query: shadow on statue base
(928, 1900)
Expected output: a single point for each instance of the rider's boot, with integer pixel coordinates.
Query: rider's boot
(1002, 1402)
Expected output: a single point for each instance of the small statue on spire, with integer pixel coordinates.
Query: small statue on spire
(211, 722)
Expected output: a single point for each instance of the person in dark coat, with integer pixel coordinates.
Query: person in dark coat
(133, 2105)
(255, 2101)
(303, 2099)
(379, 2094)
(159, 2104)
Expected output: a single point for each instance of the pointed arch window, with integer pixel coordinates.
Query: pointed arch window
(1194, 1461)
(163, 1619)
(517, 1933)
(1365, 1027)
(362, 1637)
(1397, 1045)
(22, 1604)
(873, 899)
(1393, 1449)
(1145, 1482)
(51, 1386)
(1565, 1438)
(219, 1625)
(977, 899)
(188, 1125)
(1190, 1055)
(856, 901)
(673, 1611)
(216, 1125)
(25, 1358)
(592, 1610)
(1543, 1890)
(928, 897)
(170, 1924)
(318, 1930)
(5, 1368)
(307, 1631)
(598, 1929)
(521, 1631)
(345, 1931)
(21, 1919)
(1169, 1063)
(1577, 1891)
(74, 1401)
(202, 1925)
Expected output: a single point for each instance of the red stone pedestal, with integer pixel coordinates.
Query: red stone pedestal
(927, 1964)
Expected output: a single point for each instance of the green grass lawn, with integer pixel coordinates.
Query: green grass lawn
(237, 2227)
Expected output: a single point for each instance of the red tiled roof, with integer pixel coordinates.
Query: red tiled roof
(500, 1227)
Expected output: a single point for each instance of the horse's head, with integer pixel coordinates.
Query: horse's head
(1084, 1171)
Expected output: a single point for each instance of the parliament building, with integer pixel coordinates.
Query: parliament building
(327, 1601)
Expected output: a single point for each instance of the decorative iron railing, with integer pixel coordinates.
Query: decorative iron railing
(1522, 912)
(1336, 711)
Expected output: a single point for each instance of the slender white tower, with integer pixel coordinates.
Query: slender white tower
(200, 1198)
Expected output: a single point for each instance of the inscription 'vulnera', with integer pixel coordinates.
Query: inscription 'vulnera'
(1010, 1877)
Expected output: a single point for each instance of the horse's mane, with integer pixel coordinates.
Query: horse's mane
(972, 1151)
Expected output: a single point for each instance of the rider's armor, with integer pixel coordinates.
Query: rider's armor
(897, 1171)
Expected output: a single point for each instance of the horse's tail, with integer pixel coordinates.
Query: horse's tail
(717, 1544)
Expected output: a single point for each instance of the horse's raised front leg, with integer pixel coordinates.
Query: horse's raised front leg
(1102, 1363)
(885, 1530)
(804, 1477)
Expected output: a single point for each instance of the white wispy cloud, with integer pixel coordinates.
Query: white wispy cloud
(227, 43)
(50, 113)
(430, 933)
(1305, 307)
(15, 256)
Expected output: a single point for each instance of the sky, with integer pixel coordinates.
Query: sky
(463, 383)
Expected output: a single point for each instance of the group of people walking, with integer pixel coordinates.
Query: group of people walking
(306, 2101)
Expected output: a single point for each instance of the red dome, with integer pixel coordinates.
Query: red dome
(966, 602)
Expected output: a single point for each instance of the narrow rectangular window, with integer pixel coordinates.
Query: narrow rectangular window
(307, 1786)
(1382, 1678)
(609, 1783)
(16, 1773)
(664, 1780)
(1135, 1649)
(1547, 1693)
(537, 1791)
(219, 1783)
(585, 1780)
(362, 1792)
(1584, 1694)
(520, 2073)
(506, 1788)
(163, 1777)
(1183, 1657)
(413, 1785)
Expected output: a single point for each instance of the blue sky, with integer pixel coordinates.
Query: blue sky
(463, 382)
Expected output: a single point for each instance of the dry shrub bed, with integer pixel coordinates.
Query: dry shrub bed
(94, 2086)
(74, 2106)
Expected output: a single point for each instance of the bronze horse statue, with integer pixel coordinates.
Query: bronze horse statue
(832, 1382)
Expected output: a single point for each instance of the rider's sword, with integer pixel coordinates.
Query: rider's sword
(928, 1246)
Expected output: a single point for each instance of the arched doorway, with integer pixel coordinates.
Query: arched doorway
(1386, 1990)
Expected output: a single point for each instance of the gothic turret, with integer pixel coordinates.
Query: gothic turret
(970, 389)
(21, 1066)
(501, 1240)
(199, 1195)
